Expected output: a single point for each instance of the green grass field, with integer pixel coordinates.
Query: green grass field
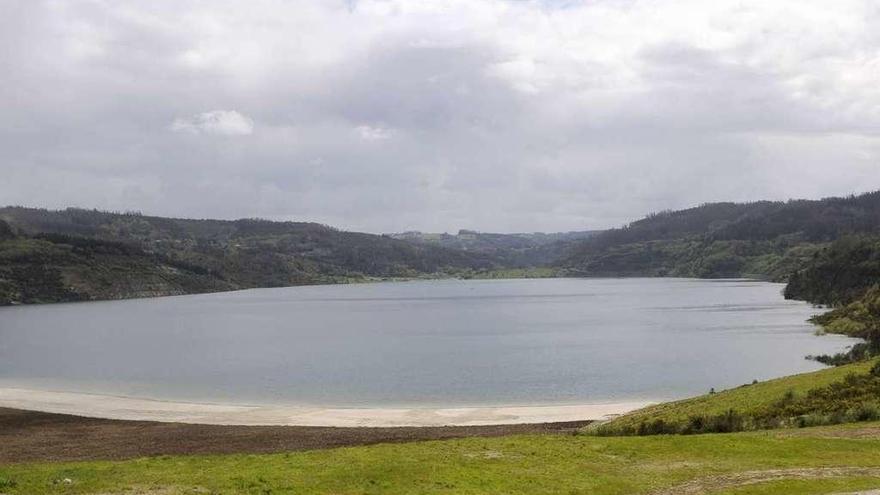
(812, 460)
(746, 399)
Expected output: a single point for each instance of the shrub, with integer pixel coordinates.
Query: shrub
(865, 412)
(845, 326)
(696, 424)
(727, 422)
(656, 427)
(808, 420)
(786, 399)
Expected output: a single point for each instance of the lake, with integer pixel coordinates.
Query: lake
(421, 343)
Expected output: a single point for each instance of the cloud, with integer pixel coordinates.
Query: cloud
(388, 115)
(371, 133)
(222, 122)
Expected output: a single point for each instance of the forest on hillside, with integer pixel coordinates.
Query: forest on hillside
(523, 250)
(765, 239)
(76, 254)
(827, 248)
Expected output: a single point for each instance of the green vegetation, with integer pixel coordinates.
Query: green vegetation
(515, 251)
(838, 274)
(807, 487)
(766, 239)
(835, 395)
(846, 275)
(697, 257)
(860, 318)
(75, 254)
(812, 459)
(56, 268)
(503, 273)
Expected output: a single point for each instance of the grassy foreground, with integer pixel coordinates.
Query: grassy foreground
(811, 460)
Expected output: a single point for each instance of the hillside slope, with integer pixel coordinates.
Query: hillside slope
(77, 254)
(524, 250)
(49, 255)
(831, 395)
(54, 268)
(838, 274)
(764, 239)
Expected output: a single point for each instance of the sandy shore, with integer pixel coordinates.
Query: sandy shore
(128, 408)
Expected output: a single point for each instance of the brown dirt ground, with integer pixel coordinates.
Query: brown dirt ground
(27, 436)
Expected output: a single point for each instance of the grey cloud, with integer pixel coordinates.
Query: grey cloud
(222, 122)
(392, 121)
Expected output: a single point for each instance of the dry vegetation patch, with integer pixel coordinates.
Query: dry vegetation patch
(712, 484)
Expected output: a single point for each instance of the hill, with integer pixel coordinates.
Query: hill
(77, 254)
(834, 395)
(55, 268)
(523, 250)
(839, 273)
(762, 239)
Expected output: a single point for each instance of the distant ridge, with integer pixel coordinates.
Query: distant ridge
(768, 239)
(77, 254)
(519, 250)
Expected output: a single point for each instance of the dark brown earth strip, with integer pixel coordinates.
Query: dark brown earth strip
(28, 436)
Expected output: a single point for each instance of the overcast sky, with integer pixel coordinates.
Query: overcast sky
(393, 115)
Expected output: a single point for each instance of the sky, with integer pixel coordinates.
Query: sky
(395, 115)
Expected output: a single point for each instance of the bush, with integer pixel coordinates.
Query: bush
(656, 427)
(808, 420)
(727, 422)
(865, 412)
(696, 424)
(786, 399)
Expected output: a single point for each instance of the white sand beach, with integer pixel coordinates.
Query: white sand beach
(129, 408)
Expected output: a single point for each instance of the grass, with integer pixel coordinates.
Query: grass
(806, 487)
(512, 465)
(745, 400)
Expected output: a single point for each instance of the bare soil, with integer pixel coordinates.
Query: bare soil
(28, 436)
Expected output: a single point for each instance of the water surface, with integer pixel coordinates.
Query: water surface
(431, 343)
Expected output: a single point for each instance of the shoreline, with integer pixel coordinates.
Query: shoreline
(373, 280)
(137, 409)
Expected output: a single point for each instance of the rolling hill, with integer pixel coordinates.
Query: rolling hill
(763, 239)
(77, 254)
(523, 250)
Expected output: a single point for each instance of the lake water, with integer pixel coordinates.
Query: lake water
(449, 342)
